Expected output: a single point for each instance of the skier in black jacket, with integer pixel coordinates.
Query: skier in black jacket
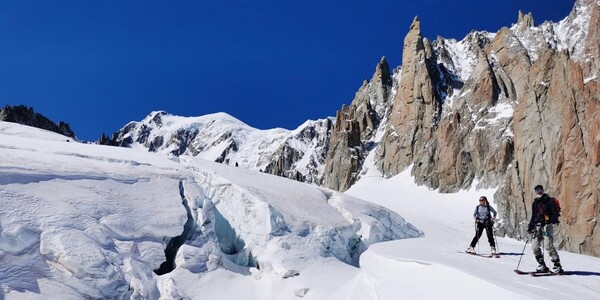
(544, 219)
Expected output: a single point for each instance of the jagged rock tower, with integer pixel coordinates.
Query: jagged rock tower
(354, 129)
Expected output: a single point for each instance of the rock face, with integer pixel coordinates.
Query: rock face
(416, 108)
(556, 142)
(354, 129)
(509, 110)
(27, 116)
(556, 137)
(302, 155)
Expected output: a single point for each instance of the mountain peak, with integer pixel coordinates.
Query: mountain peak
(525, 20)
(383, 60)
(415, 25)
(157, 117)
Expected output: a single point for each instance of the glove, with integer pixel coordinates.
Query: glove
(531, 228)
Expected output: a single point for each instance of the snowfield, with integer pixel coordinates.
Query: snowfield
(87, 221)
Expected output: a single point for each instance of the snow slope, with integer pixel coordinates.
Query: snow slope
(433, 267)
(87, 221)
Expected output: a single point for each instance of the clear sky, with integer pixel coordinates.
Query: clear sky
(98, 65)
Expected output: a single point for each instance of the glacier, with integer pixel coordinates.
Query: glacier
(90, 221)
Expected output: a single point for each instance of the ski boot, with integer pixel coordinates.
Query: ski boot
(542, 268)
(494, 251)
(557, 266)
(470, 250)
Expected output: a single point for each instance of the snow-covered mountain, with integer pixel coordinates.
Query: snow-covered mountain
(298, 154)
(91, 221)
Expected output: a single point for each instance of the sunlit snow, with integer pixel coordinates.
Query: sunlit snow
(87, 221)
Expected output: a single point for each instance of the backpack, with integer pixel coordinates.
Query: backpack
(557, 205)
(553, 210)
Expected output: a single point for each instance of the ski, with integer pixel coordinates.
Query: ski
(550, 273)
(481, 255)
(528, 273)
(537, 273)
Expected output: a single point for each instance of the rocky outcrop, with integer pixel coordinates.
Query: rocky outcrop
(354, 129)
(416, 108)
(418, 134)
(591, 63)
(27, 116)
(525, 20)
(557, 144)
(302, 156)
(557, 138)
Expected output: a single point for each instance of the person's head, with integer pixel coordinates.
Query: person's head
(483, 200)
(538, 190)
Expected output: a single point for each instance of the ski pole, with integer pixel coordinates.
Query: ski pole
(476, 235)
(522, 252)
(496, 241)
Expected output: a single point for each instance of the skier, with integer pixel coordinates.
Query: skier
(484, 220)
(544, 218)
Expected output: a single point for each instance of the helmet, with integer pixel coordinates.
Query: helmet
(538, 188)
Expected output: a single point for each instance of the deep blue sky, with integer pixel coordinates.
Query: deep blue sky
(100, 64)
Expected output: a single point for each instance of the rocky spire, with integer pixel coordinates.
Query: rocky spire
(355, 125)
(525, 20)
(382, 72)
(416, 106)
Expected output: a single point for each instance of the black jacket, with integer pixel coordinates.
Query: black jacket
(544, 211)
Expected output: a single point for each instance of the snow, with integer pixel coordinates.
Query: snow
(496, 115)
(221, 137)
(463, 57)
(449, 101)
(215, 133)
(431, 267)
(591, 78)
(93, 221)
(87, 221)
(568, 34)
(572, 30)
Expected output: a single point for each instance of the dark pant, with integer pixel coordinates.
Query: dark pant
(489, 230)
